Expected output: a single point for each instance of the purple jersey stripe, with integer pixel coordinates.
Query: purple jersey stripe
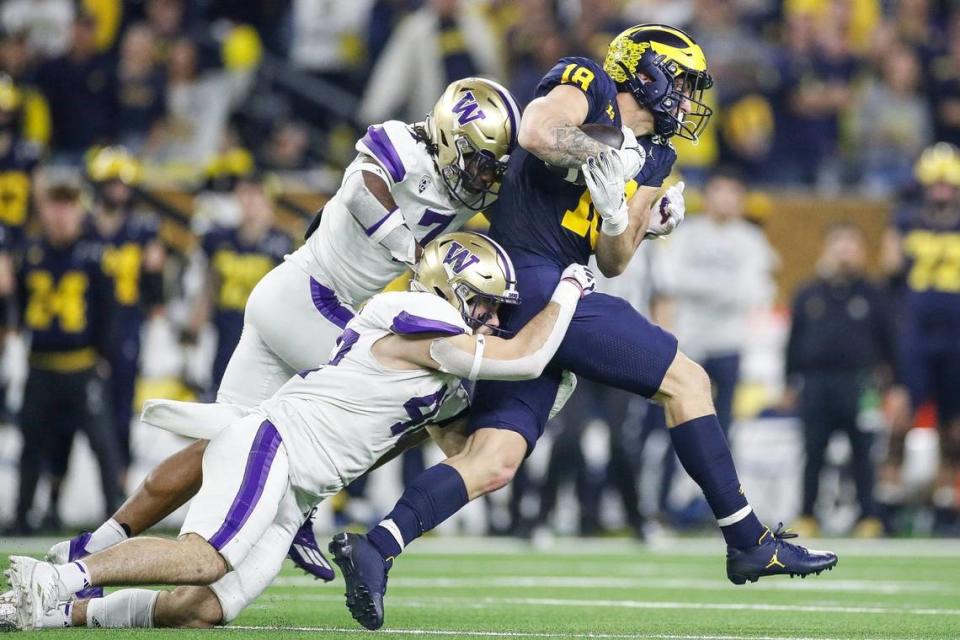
(379, 144)
(329, 306)
(379, 223)
(262, 452)
(406, 323)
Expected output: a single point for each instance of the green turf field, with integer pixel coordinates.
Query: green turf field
(468, 588)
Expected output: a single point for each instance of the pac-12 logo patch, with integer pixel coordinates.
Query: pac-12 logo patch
(468, 109)
(424, 182)
(459, 257)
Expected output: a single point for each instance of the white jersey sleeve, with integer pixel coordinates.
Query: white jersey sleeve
(383, 144)
(352, 410)
(342, 254)
(412, 313)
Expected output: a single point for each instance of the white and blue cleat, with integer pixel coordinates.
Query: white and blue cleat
(307, 555)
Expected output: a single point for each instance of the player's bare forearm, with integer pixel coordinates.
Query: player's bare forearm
(615, 252)
(529, 339)
(549, 129)
(570, 147)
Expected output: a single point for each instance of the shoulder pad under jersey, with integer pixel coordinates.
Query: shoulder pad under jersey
(393, 145)
(413, 313)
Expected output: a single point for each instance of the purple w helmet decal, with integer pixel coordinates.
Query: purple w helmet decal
(468, 109)
(459, 257)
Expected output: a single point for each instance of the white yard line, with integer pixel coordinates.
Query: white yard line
(700, 546)
(887, 587)
(530, 634)
(483, 603)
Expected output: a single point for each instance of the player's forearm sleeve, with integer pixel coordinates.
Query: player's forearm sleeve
(526, 366)
(383, 226)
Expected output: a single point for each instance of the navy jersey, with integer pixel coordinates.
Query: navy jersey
(931, 299)
(540, 212)
(16, 174)
(123, 259)
(238, 266)
(65, 300)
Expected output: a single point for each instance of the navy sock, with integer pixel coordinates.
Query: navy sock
(705, 455)
(433, 496)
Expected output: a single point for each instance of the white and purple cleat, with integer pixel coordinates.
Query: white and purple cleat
(71, 551)
(306, 553)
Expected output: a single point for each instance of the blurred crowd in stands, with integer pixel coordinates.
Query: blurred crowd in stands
(106, 105)
(830, 93)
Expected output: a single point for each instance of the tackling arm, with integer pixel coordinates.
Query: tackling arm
(523, 357)
(367, 196)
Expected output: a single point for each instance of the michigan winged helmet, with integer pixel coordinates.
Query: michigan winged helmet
(939, 163)
(472, 130)
(674, 70)
(462, 267)
(106, 164)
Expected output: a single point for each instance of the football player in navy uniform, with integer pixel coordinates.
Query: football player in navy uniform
(133, 258)
(18, 159)
(651, 84)
(922, 251)
(65, 306)
(237, 259)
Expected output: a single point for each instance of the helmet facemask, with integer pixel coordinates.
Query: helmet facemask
(473, 179)
(471, 132)
(668, 85)
(469, 299)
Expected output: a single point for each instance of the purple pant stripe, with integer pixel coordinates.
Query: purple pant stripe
(379, 144)
(262, 453)
(327, 303)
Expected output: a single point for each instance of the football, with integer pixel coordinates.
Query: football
(607, 134)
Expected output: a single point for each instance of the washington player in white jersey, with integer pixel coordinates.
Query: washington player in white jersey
(397, 368)
(408, 184)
